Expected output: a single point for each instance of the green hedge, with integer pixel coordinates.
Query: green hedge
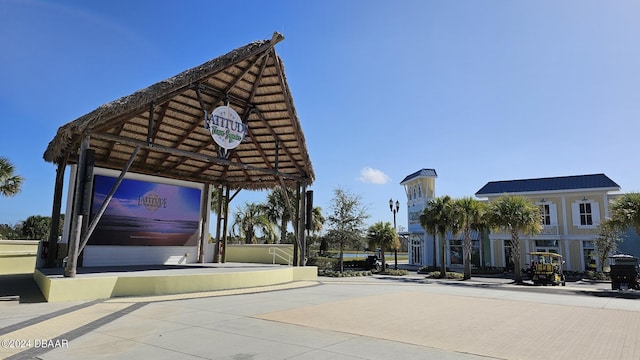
(347, 273)
(324, 263)
(330, 263)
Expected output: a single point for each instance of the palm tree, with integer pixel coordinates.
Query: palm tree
(516, 215)
(215, 194)
(279, 207)
(250, 218)
(469, 213)
(318, 220)
(383, 235)
(317, 224)
(9, 183)
(625, 212)
(438, 218)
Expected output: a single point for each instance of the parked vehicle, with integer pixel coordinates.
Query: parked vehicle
(546, 268)
(374, 261)
(624, 272)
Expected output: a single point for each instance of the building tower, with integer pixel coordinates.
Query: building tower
(420, 188)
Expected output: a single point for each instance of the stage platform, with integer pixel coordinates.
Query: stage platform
(93, 283)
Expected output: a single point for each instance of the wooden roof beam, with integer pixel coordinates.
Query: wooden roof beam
(275, 136)
(192, 155)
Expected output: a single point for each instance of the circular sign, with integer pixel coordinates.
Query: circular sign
(227, 130)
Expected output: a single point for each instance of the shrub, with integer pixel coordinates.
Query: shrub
(574, 275)
(324, 263)
(448, 275)
(394, 272)
(426, 269)
(488, 270)
(348, 273)
(597, 275)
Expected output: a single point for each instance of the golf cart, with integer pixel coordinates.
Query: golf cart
(546, 268)
(374, 261)
(624, 272)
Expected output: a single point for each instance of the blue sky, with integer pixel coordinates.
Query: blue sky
(478, 90)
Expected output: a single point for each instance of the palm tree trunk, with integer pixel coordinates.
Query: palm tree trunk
(443, 255)
(283, 230)
(434, 252)
(515, 251)
(341, 256)
(467, 254)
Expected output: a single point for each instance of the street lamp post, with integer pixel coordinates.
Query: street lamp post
(395, 211)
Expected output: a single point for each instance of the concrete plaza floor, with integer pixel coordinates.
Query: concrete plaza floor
(336, 318)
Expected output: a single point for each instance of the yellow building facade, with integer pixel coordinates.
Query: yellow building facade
(571, 210)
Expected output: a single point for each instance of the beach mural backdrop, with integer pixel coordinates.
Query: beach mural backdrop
(146, 213)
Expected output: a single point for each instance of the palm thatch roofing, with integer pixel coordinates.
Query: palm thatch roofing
(166, 121)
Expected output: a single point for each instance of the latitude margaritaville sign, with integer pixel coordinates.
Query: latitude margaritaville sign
(152, 201)
(226, 128)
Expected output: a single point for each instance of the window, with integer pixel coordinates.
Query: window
(545, 214)
(508, 255)
(586, 217)
(416, 248)
(585, 213)
(547, 243)
(455, 252)
(547, 246)
(589, 255)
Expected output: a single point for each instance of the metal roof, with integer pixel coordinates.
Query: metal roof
(592, 181)
(420, 173)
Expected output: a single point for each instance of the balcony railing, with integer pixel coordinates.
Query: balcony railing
(549, 230)
(546, 230)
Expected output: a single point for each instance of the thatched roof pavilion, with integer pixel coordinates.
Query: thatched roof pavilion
(161, 131)
(166, 120)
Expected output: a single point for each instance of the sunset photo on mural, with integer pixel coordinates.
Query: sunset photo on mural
(146, 213)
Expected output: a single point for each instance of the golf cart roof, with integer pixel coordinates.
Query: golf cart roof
(540, 253)
(622, 256)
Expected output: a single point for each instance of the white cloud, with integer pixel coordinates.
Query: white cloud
(373, 176)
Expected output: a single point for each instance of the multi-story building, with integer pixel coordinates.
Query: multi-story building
(420, 187)
(571, 209)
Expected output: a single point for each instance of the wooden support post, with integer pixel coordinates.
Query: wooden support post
(76, 220)
(216, 252)
(152, 108)
(303, 226)
(52, 257)
(204, 225)
(226, 222)
(296, 229)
